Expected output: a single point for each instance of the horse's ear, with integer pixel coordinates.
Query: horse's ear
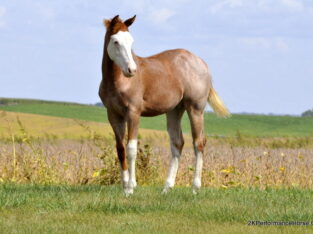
(115, 19)
(106, 23)
(129, 21)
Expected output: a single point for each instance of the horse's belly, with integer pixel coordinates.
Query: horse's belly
(151, 113)
(154, 112)
(160, 106)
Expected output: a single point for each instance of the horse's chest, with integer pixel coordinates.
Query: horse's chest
(118, 100)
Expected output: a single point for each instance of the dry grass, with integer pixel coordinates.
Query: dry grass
(48, 127)
(29, 155)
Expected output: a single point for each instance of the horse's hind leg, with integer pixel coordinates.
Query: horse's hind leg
(177, 143)
(196, 122)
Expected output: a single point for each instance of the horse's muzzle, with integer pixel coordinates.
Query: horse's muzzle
(130, 72)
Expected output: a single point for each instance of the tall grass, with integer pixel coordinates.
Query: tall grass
(229, 162)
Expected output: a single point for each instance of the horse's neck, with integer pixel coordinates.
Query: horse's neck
(107, 64)
(109, 70)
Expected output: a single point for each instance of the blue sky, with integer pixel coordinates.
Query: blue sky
(260, 52)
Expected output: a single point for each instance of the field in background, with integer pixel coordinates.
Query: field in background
(251, 125)
(52, 150)
(51, 169)
(50, 127)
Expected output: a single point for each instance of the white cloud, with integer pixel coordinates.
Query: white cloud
(262, 42)
(296, 5)
(265, 43)
(47, 13)
(263, 5)
(281, 45)
(226, 4)
(139, 6)
(158, 12)
(2, 13)
(161, 15)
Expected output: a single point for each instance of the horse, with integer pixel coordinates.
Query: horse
(171, 82)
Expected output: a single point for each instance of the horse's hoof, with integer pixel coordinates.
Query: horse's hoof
(124, 184)
(196, 186)
(165, 191)
(133, 183)
(195, 189)
(128, 192)
(129, 189)
(168, 186)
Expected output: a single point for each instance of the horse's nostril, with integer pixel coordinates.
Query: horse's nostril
(129, 70)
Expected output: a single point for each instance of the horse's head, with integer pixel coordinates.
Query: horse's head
(119, 45)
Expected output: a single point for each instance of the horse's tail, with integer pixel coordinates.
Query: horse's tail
(217, 104)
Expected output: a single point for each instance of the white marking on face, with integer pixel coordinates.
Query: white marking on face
(119, 50)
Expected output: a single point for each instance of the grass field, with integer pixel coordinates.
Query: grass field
(252, 125)
(59, 173)
(103, 209)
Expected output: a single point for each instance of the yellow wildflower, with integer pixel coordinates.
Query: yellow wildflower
(228, 170)
(96, 174)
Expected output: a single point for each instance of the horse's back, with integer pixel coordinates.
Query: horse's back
(190, 71)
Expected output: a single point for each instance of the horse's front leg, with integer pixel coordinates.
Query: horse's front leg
(118, 124)
(133, 125)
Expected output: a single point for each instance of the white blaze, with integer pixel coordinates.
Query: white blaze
(119, 50)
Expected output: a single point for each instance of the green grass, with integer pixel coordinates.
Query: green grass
(96, 209)
(251, 125)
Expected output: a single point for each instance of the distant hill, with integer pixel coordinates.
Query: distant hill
(247, 124)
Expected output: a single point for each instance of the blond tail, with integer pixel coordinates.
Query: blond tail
(217, 104)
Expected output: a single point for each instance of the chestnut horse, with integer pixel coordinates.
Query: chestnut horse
(166, 83)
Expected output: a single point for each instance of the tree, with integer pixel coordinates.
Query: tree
(308, 113)
(99, 104)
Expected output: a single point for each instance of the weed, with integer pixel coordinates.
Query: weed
(239, 161)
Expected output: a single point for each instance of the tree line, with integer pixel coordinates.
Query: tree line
(308, 113)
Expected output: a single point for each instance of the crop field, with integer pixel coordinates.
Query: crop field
(251, 125)
(58, 165)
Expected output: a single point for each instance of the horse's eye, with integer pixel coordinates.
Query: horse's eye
(116, 43)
